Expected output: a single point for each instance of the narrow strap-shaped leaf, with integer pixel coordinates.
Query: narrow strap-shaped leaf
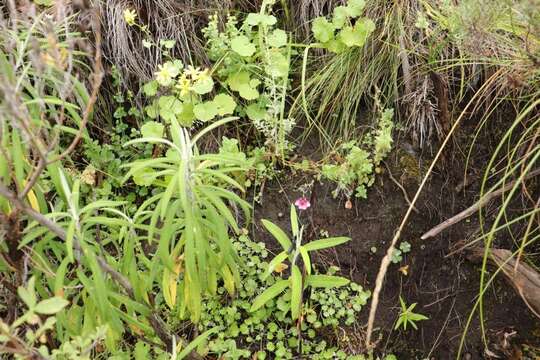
(269, 294)
(305, 259)
(278, 259)
(296, 292)
(278, 234)
(167, 195)
(220, 175)
(326, 243)
(326, 281)
(195, 343)
(294, 221)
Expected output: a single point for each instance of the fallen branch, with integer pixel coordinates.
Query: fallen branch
(521, 276)
(474, 208)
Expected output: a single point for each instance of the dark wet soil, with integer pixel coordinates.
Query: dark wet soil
(445, 287)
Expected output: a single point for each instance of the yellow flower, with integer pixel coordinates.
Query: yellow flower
(184, 85)
(130, 16)
(194, 73)
(166, 73)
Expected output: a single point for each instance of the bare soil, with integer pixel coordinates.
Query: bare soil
(445, 287)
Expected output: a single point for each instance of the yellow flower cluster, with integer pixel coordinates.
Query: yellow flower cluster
(130, 16)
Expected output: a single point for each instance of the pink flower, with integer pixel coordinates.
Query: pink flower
(302, 203)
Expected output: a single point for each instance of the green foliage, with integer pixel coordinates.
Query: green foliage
(191, 203)
(407, 316)
(357, 163)
(404, 247)
(253, 63)
(270, 330)
(41, 318)
(345, 30)
(298, 280)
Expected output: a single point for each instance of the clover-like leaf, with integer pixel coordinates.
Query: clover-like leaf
(249, 93)
(152, 129)
(237, 80)
(336, 46)
(205, 111)
(242, 46)
(247, 87)
(323, 30)
(277, 38)
(225, 104)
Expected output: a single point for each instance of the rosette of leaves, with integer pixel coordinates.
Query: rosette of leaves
(346, 28)
(191, 221)
(186, 95)
(299, 279)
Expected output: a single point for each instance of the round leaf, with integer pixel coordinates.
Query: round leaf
(225, 104)
(322, 29)
(242, 46)
(277, 38)
(205, 111)
(152, 129)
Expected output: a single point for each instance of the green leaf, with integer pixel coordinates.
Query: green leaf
(152, 110)
(28, 294)
(355, 7)
(242, 83)
(278, 65)
(305, 259)
(278, 234)
(205, 111)
(326, 281)
(203, 85)
(152, 129)
(269, 294)
(357, 35)
(278, 259)
(169, 107)
(195, 343)
(255, 112)
(326, 243)
(242, 46)
(167, 44)
(296, 292)
(150, 88)
(225, 104)
(294, 221)
(249, 93)
(51, 306)
(277, 38)
(186, 117)
(341, 14)
(255, 19)
(322, 29)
